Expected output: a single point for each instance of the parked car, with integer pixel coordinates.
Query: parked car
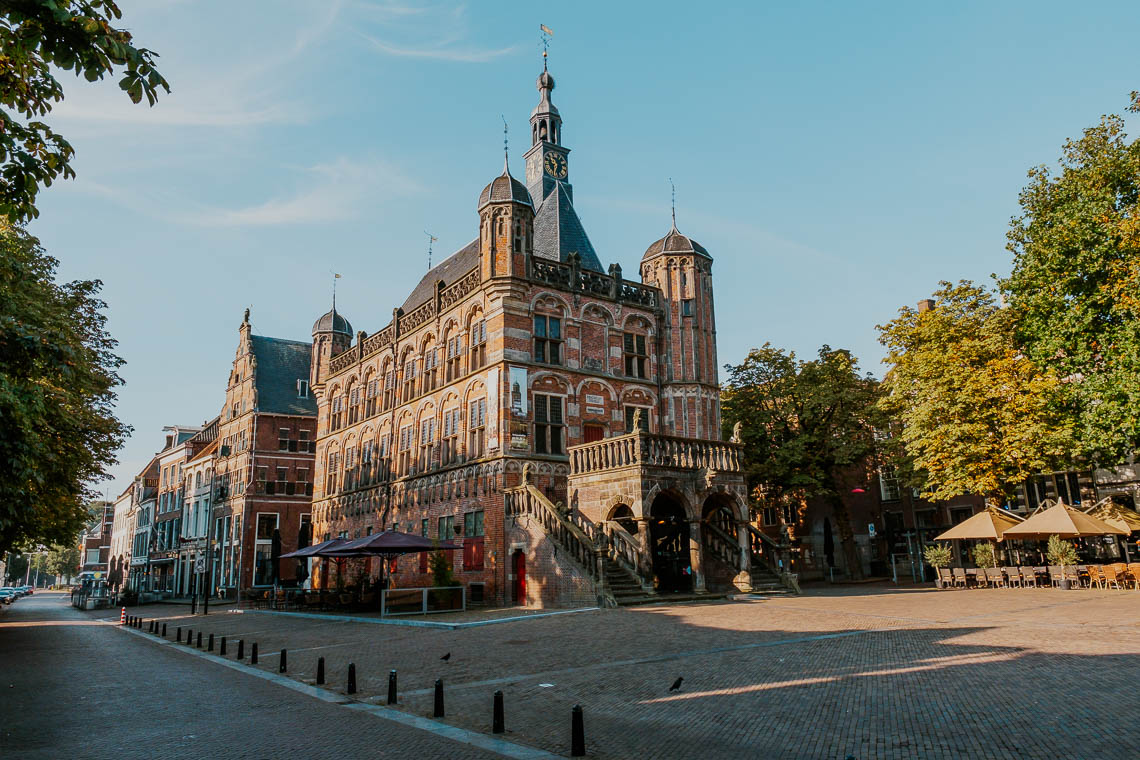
(7, 595)
(30, 590)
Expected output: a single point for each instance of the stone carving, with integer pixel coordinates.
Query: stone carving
(527, 472)
(737, 432)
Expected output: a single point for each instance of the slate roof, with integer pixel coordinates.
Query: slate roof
(504, 188)
(332, 321)
(675, 242)
(280, 364)
(449, 270)
(558, 231)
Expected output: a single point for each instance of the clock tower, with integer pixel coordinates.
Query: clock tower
(546, 161)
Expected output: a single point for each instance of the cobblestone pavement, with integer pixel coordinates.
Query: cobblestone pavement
(870, 672)
(72, 687)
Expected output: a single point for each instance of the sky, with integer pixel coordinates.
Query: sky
(837, 159)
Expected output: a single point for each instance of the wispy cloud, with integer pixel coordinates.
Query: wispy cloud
(439, 53)
(428, 32)
(327, 192)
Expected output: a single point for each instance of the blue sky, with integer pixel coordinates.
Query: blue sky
(837, 159)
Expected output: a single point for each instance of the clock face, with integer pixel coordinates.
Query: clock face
(556, 165)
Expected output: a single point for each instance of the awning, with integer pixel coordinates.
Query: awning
(990, 524)
(1064, 521)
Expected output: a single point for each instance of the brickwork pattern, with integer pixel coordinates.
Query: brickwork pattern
(867, 671)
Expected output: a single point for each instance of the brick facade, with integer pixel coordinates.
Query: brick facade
(513, 350)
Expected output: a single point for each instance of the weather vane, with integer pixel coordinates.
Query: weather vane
(506, 152)
(431, 239)
(547, 33)
(335, 278)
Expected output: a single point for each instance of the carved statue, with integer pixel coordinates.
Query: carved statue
(637, 418)
(246, 317)
(737, 432)
(528, 469)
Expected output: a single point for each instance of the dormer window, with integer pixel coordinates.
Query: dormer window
(302, 389)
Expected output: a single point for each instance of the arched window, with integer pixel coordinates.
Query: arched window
(198, 480)
(371, 394)
(389, 385)
(454, 350)
(333, 469)
(354, 403)
(430, 364)
(477, 340)
(548, 337)
(336, 418)
(409, 375)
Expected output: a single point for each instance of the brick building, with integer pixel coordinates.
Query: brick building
(95, 539)
(559, 420)
(261, 479)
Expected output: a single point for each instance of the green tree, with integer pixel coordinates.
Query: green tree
(1075, 284)
(58, 432)
(16, 568)
(807, 428)
(37, 38)
(972, 412)
(63, 560)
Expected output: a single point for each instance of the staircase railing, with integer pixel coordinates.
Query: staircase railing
(768, 553)
(623, 549)
(571, 534)
(723, 545)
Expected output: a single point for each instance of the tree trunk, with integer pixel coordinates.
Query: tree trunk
(842, 519)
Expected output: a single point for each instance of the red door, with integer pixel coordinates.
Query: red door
(591, 433)
(520, 578)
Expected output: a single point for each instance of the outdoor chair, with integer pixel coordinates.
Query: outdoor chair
(945, 576)
(1028, 577)
(959, 576)
(1013, 576)
(995, 578)
(1134, 573)
(1108, 576)
(1095, 577)
(1055, 575)
(1074, 575)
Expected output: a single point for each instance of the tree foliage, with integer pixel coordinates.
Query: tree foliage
(63, 560)
(806, 426)
(1075, 284)
(38, 37)
(973, 414)
(58, 432)
(16, 568)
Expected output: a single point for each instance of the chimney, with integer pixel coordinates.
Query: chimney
(925, 304)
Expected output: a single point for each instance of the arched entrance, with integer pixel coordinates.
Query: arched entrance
(669, 544)
(623, 516)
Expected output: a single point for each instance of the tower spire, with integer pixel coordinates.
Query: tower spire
(673, 202)
(506, 151)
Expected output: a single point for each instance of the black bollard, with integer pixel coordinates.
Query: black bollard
(281, 665)
(253, 654)
(139, 626)
(179, 634)
(150, 628)
(164, 630)
(438, 711)
(210, 645)
(577, 733)
(351, 678)
(320, 671)
(222, 652)
(199, 640)
(189, 637)
(497, 721)
(392, 687)
(241, 649)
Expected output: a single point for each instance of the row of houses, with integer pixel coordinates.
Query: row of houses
(206, 507)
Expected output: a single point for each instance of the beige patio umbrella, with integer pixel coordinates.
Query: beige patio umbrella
(1114, 514)
(1064, 521)
(990, 524)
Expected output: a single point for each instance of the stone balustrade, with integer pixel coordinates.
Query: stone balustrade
(641, 449)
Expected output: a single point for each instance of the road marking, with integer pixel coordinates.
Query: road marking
(461, 735)
(413, 623)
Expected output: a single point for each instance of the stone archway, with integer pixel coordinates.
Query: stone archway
(623, 515)
(669, 544)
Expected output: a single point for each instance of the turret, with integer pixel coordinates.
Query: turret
(332, 335)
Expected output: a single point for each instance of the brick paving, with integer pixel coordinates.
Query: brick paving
(866, 671)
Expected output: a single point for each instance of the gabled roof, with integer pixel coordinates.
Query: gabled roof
(280, 364)
(208, 451)
(558, 231)
(449, 270)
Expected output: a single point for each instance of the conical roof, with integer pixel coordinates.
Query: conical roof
(332, 321)
(504, 188)
(675, 242)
